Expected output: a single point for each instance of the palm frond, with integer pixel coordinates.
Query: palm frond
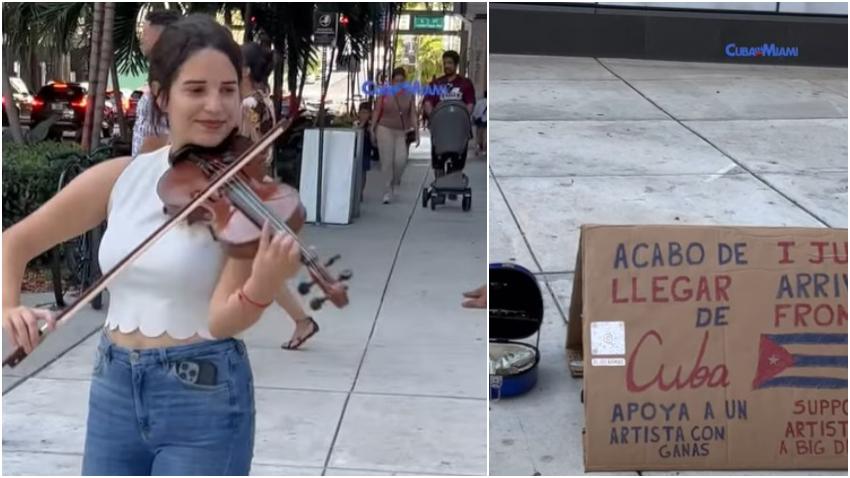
(128, 54)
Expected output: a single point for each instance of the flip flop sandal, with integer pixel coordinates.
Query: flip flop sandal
(297, 342)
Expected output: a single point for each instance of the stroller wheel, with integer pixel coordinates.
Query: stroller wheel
(425, 196)
(466, 204)
(433, 203)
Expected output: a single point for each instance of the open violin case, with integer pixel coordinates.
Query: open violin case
(516, 313)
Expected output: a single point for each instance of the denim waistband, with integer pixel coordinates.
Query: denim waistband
(167, 354)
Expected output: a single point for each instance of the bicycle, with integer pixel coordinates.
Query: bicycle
(80, 253)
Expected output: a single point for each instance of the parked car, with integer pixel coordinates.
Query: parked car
(69, 102)
(131, 104)
(23, 100)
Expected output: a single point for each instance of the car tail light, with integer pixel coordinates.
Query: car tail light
(37, 103)
(60, 86)
(79, 104)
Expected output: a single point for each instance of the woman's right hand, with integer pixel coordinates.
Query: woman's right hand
(278, 258)
(22, 323)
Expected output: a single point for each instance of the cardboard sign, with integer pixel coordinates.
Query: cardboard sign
(711, 347)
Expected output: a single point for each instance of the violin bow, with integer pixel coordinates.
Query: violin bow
(225, 176)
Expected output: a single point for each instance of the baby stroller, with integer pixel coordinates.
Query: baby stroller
(451, 129)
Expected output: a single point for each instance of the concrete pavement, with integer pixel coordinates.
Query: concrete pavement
(393, 384)
(581, 140)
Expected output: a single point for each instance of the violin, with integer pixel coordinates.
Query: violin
(224, 188)
(236, 215)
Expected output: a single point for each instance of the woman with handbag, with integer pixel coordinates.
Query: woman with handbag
(395, 125)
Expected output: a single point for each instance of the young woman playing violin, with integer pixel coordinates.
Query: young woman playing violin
(257, 118)
(172, 390)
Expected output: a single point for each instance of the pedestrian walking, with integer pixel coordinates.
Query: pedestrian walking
(257, 119)
(149, 135)
(395, 126)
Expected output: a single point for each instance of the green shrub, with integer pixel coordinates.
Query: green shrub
(31, 176)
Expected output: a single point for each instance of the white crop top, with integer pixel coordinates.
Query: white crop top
(169, 287)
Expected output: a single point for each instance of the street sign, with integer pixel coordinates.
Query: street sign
(324, 31)
(422, 22)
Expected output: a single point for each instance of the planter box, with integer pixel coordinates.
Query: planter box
(342, 174)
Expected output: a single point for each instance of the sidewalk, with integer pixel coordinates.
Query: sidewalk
(581, 140)
(393, 384)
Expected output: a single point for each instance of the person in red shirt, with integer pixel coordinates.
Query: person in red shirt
(454, 86)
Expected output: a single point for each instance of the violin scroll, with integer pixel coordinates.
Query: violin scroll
(334, 289)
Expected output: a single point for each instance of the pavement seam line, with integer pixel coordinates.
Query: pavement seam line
(350, 392)
(614, 120)
(710, 143)
(406, 472)
(553, 273)
(340, 392)
(666, 175)
(656, 175)
(40, 452)
(525, 240)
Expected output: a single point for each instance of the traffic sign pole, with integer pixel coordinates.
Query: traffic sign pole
(324, 35)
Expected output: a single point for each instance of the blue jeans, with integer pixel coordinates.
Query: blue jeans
(147, 417)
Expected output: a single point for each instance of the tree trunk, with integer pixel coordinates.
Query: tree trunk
(94, 55)
(119, 105)
(394, 42)
(249, 27)
(327, 83)
(278, 82)
(348, 94)
(297, 100)
(11, 107)
(374, 50)
(388, 42)
(34, 68)
(103, 71)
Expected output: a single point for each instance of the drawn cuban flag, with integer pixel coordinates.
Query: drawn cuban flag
(802, 361)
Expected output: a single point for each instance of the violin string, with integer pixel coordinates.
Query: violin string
(245, 193)
(257, 206)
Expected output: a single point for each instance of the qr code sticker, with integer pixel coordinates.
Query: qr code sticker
(608, 338)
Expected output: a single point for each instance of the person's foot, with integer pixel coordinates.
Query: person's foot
(387, 198)
(304, 329)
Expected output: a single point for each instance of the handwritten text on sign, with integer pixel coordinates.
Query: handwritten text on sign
(680, 435)
(710, 292)
(805, 301)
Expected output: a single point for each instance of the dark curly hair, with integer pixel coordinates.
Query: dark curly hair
(162, 18)
(259, 60)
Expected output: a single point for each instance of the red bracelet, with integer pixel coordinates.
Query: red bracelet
(244, 296)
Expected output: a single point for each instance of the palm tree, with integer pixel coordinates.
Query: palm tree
(104, 63)
(52, 27)
(94, 57)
